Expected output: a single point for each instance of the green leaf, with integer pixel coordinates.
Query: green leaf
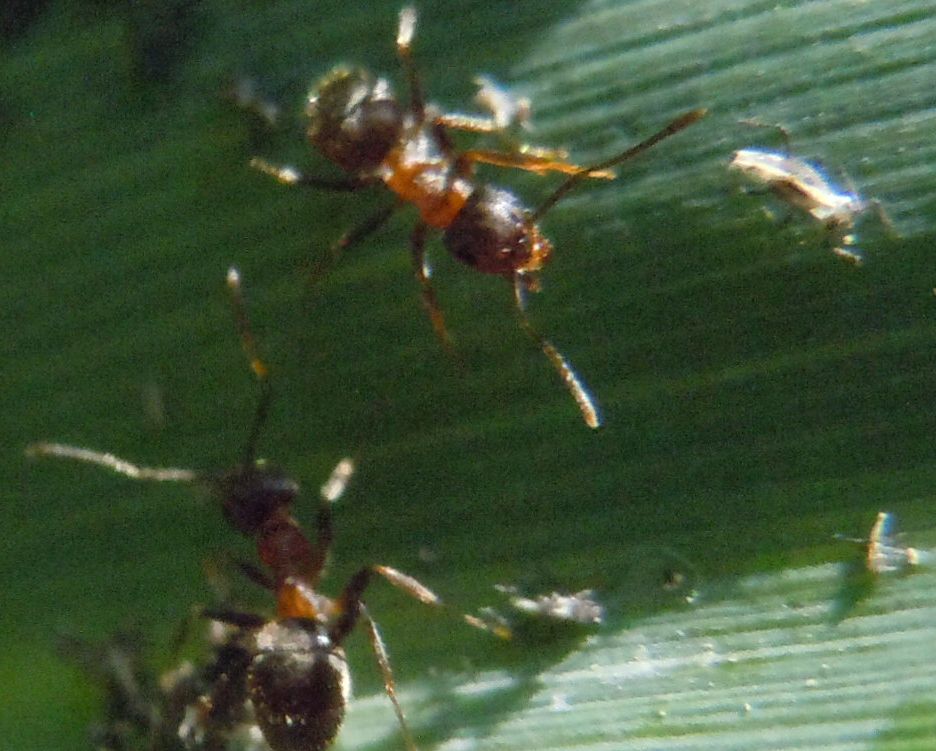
(760, 395)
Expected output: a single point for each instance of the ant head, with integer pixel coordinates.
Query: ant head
(353, 119)
(496, 234)
(299, 685)
(251, 494)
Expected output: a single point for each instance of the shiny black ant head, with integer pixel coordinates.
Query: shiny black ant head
(299, 685)
(251, 495)
(495, 234)
(353, 119)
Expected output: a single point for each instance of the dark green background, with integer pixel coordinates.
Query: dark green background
(759, 394)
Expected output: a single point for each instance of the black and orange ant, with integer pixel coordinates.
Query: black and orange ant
(296, 676)
(357, 123)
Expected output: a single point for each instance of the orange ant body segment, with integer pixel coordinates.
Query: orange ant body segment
(355, 121)
(296, 674)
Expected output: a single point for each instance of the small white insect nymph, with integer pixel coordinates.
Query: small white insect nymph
(804, 186)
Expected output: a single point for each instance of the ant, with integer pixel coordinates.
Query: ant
(355, 121)
(295, 675)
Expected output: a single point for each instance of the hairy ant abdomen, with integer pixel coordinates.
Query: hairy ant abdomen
(354, 119)
(299, 685)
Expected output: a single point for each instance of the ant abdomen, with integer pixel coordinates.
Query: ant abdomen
(299, 685)
(354, 119)
(494, 234)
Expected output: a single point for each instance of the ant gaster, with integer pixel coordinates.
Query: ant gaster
(356, 122)
(296, 677)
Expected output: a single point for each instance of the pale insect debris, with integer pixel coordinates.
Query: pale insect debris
(804, 186)
(245, 94)
(883, 554)
(579, 607)
(506, 108)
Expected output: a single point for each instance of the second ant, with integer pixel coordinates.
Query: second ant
(290, 674)
(356, 122)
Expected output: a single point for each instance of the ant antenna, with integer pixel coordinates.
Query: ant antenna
(113, 463)
(681, 122)
(257, 365)
(572, 382)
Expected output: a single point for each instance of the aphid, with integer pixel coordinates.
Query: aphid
(355, 121)
(506, 109)
(883, 554)
(804, 186)
(295, 676)
(579, 607)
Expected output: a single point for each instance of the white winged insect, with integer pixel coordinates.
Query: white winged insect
(883, 553)
(804, 186)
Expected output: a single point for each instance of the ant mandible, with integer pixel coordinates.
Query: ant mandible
(296, 677)
(356, 122)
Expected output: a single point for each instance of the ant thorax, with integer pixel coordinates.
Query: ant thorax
(419, 172)
(494, 234)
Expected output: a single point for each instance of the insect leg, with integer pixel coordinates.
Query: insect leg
(421, 269)
(571, 380)
(331, 491)
(291, 176)
(258, 366)
(383, 660)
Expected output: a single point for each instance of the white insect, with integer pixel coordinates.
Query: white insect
(804, 186)
(883, 553)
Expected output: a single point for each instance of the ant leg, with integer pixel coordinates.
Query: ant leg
(291, 176)
(572, 382)
(404, 44)
(350, 608)
(349, 239)
(681, 122)
(113, 463)
(370, 225)
(332, 489)
(259, 368)
(421, 268)
(383, 660)
(506, 110)
(256, 575)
